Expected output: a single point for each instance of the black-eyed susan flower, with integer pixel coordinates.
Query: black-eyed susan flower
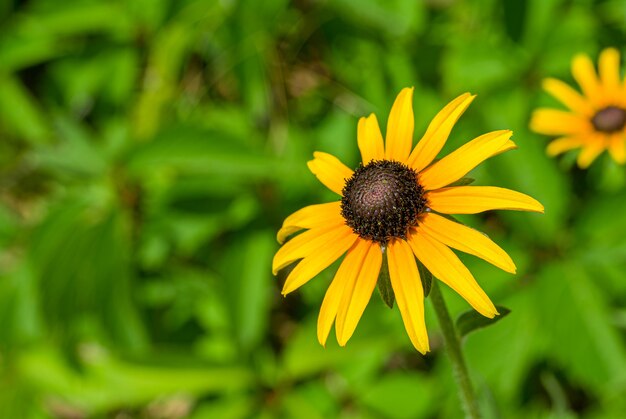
(394, 205)
(596, 120)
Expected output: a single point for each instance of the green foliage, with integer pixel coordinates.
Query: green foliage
(426, 277)
(384, 285)
(471, 320)
(149, 151)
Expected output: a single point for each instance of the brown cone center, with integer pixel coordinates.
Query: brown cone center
(382, 200)
(609, 119)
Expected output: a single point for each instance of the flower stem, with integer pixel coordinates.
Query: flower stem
(466, 392)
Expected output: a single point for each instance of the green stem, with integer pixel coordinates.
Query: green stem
(466, 392)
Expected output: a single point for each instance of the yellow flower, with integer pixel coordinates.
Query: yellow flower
(597, 118)
(390, 205)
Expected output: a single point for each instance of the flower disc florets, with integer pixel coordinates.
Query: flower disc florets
(609, 119)
(382, 200)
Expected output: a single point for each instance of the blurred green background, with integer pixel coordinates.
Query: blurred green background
(150, 149)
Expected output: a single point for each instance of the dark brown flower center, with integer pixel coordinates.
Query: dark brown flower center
(609, 119)
(382, 200)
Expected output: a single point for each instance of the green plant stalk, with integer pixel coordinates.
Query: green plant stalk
(453, 345)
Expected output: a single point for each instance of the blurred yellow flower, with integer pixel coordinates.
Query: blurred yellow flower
(390, 205)
(596, 120)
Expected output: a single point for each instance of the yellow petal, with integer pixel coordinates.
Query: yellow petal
(438, 131)
(458, 163)
(407, 287)
(590, 152)
(370, 139)
(616, 147)
(316, 262)
(308, 243)
(399, 136)
(357, 294)
(474, 199)
(555, 122)
(330, 171)
(568, 96)
(585, 74)
(313, 216)
(447, 267)
(608, 66)
(466, 240)
(346, 274)
(563, 144)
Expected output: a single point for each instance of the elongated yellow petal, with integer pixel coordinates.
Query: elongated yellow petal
(590, 152)
(585, 74)
(409, 293)
(330, 171)
(466, 240)
(568, 96)
(555, 122)
(313, 216)
(475, 199)
(563, 144)
(400, 125)
(608, 66)
(308, 243)
(370, 139)
(458, 163)
(616, 147)
(447, 267)
(346, 274)
(355, 298)
(316, 262)
(438, 131)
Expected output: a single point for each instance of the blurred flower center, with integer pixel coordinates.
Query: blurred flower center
(382, 200)
(609, 119)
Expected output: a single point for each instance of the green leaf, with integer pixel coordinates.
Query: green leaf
(393, 395)
(254, 282)
(384, 285)
(188, 149)
(426, 277)
(21, 113)
(472, 320)
(107, 382)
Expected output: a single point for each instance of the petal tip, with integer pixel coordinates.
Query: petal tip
(493, 312)
(548, 82)
(540, 208)
(609, 50)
